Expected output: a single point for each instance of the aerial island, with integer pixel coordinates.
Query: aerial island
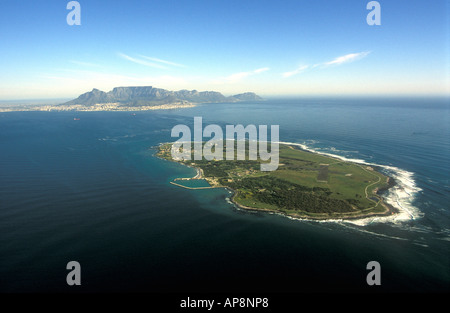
(140, 98)
(306, 185)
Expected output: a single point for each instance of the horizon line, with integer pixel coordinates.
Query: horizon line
(273, 96)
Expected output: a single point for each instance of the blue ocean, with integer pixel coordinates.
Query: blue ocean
(87, 187)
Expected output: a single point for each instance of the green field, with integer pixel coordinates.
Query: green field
(305, 184)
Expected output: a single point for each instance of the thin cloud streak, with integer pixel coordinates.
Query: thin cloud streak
(347, 58)
(237, 77)
(141, 62)
(261, 70)
(162, 61)
(335, 62)
(295, 72)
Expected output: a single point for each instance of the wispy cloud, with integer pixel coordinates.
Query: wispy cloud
(295, 72)
(261, 70)
(162, 61)
(150, 61)
(347, 58)
(335, 62)
(140, 61)
(237, 77)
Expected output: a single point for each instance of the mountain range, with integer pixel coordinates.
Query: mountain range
(150, 96)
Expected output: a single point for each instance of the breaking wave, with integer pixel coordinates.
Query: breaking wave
(401, 196)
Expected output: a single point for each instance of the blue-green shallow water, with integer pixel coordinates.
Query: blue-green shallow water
(193, 183)
(92, 191)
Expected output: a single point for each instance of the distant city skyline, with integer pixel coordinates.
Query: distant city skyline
(271, 48)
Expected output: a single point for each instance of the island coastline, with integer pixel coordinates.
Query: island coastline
(100, 107)
(388, 212)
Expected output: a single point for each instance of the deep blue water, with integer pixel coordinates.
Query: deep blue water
(90, 190)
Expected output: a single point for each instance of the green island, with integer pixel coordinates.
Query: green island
(306, 185)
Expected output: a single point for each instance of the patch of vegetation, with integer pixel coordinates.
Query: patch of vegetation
(304, 184)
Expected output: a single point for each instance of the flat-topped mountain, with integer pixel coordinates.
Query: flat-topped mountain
(149, 96)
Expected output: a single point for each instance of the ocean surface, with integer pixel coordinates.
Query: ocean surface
(92, 191)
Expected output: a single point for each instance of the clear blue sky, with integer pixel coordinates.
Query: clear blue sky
(322, 47)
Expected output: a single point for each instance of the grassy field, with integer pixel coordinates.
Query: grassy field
(304, 185)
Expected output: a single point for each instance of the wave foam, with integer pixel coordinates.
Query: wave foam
(400, 196)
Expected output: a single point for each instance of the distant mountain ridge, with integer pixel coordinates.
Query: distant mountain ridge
(148, 96)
